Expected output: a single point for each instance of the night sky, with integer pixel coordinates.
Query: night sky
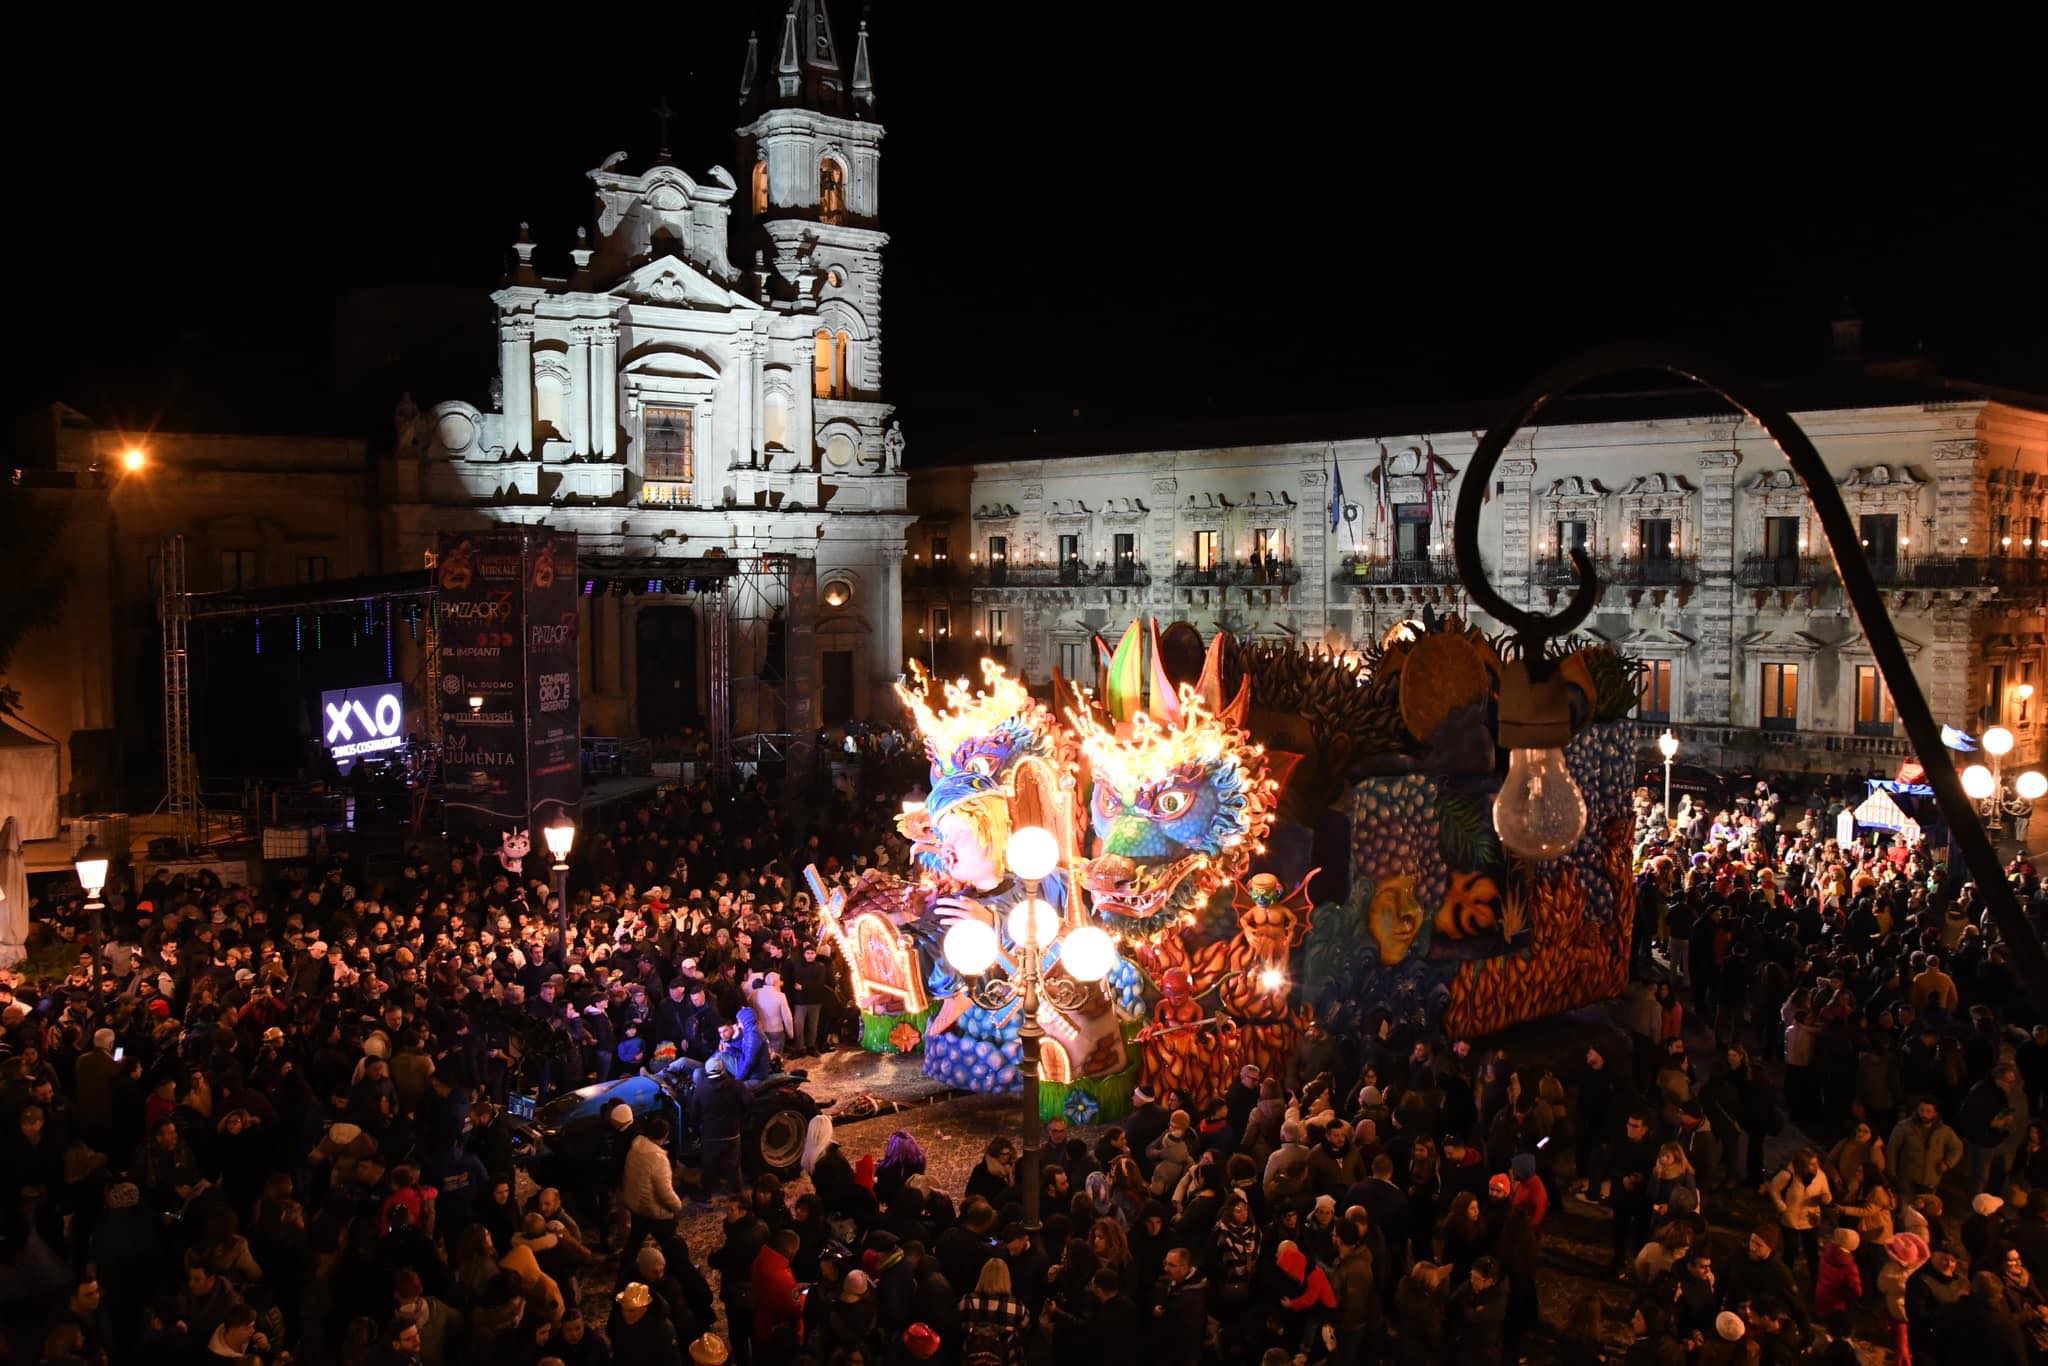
(1102, 216)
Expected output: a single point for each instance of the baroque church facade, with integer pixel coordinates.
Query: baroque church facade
(705, 381)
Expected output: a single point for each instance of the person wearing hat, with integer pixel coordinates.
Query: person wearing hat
(639, 1336)
(921, 1342)
(709, 1350)
(851, 1319)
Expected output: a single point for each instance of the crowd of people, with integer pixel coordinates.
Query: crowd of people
(270, 1126)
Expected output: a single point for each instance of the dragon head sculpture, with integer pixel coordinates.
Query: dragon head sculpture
(1180, 796)
(996, 755)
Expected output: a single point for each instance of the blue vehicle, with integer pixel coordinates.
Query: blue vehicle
(572, 1128)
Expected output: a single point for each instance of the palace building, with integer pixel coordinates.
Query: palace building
(1714, 570)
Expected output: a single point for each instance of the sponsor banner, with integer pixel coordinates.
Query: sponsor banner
(479, 581)
(554, 713)
(508, 604)
(357, 722)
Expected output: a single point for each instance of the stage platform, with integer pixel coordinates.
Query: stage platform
(243, 862)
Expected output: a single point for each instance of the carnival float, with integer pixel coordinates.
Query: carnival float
(1277, 838)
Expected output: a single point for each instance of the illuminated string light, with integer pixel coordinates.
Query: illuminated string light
(390, 650)
(298, 632)
(259, 635)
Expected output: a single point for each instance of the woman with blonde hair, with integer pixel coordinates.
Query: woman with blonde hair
(1672, 1172)
(993, 1321)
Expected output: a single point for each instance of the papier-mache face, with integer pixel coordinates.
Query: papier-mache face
(1177, 806)
(978, 742)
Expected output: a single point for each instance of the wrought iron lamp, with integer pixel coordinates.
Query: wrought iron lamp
(1667, 745)
(1865, 599)
(560, 834)
(1085, 954)
(91, 864)
(1995, 797)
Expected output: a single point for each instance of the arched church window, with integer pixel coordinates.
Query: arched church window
(760, 188)
(822, 366)
(775, 423)
(547, 404)
(831, 191)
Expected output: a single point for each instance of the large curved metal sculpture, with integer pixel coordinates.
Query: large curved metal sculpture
(1844, 543)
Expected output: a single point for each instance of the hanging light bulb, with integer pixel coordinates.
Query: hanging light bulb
(1540, 812)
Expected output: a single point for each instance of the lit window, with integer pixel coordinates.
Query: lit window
(840, 388)
(1781, 538)
(669, 460)
(998, 626)
(831, 191)
(1653, 538)
(1208, 550)
(1269, 544)
(760, 188)
(821, 365)
(1653, 695)
(1779, 686)
(838, 593)
(1874, 712)
(1411, 531)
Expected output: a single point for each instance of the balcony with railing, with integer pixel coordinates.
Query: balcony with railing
(1785, 571)
(1651, 571)
(1378, 573)
(1742, 746)
(1073, 574)
(1238, 574)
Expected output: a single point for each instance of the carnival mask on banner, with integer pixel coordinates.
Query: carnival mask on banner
(513, 851)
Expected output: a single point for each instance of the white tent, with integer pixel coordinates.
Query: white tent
(1880, 811)
(28, 783)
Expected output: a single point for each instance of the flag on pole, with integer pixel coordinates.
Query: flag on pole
(1336, 494)
(1429, 479)
(1383, 484)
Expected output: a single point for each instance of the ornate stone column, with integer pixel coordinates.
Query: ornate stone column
(889, 614)
(515, 378)
(605, 389)
(747, 364)
(577, 400)
(1517, 477)
(1709, 690)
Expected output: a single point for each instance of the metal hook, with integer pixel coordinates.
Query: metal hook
(1859, 586)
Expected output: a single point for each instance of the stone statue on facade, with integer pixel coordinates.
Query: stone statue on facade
(892, 447)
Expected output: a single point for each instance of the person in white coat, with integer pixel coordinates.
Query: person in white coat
(648, 1190)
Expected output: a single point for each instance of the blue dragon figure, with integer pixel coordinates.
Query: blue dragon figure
(999, 762)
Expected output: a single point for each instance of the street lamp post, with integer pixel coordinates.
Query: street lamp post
(1085, 952)
(560, 835)
(1667, 745)
(1995, 797)
(91, 864)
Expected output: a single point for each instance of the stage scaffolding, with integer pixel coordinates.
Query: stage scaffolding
(739, 594)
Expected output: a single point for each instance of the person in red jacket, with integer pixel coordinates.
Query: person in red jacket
(1529, 1193)
(1839, 1285)
(1306, 1293)
(776, 1301)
